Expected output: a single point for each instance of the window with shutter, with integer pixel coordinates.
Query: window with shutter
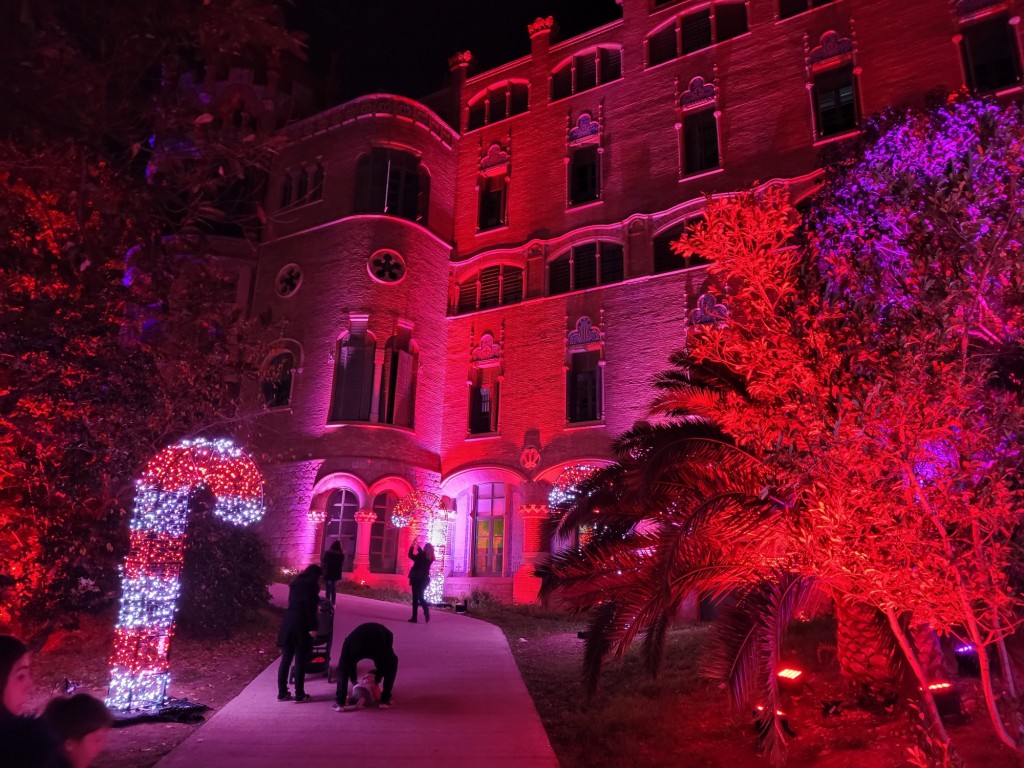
(561, 83)
(586, 71)
(511, 285)
(611, 64)
(696, 31)
(559, 276)
(490, 287)
(519, 98)
(477, 115)
(353, 378)
(730, 21)
(611, 263)
(467, 296)
(661, 46)
(584, 266)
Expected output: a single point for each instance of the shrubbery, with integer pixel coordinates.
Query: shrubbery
(225, 577)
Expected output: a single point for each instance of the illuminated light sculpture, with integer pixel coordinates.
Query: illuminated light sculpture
(564, 491)
(140, 672)
(423, 512)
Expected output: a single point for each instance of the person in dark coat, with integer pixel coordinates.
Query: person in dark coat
(367, 641)
(25, 742)
(419, 578)
(298, 627)
(334, 561)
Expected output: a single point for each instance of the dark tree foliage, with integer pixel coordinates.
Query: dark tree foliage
(115, 338)
(225, 576)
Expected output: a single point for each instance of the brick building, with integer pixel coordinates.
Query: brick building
(472, 304)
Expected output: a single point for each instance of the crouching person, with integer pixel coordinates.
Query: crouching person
(367, 641)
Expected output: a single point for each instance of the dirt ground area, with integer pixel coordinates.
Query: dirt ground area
(210, 672)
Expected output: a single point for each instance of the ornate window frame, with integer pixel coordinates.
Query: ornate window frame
(700, 96)
(585, 337)
(487, 354)
(832, 53)
(586, 132)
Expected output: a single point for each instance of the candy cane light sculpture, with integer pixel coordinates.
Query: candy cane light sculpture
(150, 579)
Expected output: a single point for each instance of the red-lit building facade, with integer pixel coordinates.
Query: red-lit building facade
(471, 304)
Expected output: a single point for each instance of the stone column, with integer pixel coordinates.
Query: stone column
(525, 585)
(365, 518)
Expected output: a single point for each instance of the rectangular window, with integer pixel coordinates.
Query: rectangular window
(583, 395)
(696, 29)
(489, 539)
(990, 54)
(835, 101)
(483, 401)
(492, 201)
(353, 394)
(520, 96)
(584, 176)
(498, 106)
(700, 141)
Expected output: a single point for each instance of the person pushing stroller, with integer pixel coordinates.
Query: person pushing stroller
(367, 641)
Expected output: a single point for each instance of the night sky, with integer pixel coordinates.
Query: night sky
(403, 46)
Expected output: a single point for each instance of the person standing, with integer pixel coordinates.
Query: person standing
(333, 562)
(367, 641)
(298, 627)
(419, 578)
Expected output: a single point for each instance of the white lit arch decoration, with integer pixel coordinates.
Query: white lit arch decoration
(563, 491)
(423, 512)
(140, 671)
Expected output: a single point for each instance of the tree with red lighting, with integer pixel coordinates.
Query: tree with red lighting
(114, 333)
(867, 367)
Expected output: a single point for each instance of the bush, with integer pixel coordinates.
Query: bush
(225, 576)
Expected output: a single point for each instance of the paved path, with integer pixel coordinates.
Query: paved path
(460, 702)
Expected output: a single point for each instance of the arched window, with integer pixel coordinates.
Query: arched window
(340, 523)
(398, 381)
(689, 32)
(586, 266)
(353, 375)
(585, 70)
(383, 535)
(497, 103)
(393, 182)
(276, 380)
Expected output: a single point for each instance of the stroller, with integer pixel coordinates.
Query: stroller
(319, 659)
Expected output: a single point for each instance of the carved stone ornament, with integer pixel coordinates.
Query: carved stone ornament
(487, 349)
(541, 25)
(495, 156)
(288, 280)
(584, 334)
(386, 266)
(529, 458)
(534, 510)
(832, 46)
(698, 94)
(709, 311)
(461, 59)
(585, 126)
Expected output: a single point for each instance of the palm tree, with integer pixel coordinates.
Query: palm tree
(685, 511)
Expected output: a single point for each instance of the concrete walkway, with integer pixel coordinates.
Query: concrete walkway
(460, 702)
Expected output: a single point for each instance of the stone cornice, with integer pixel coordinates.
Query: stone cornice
(374, 105)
